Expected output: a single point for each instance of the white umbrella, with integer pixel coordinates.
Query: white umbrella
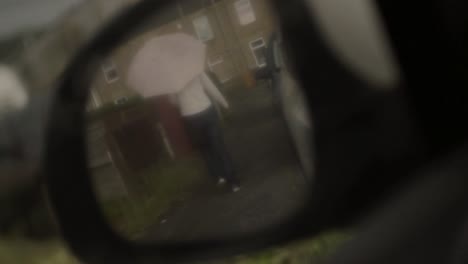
(166, 64)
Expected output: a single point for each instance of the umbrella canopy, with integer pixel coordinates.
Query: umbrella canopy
(166, 64)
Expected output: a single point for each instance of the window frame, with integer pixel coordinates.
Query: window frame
(108, 66)
(253, 48)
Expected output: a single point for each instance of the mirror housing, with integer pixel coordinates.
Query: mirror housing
(352, 122)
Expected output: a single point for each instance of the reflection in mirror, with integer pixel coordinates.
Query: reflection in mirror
(197, 129)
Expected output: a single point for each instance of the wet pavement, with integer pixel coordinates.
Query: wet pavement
(272, 186)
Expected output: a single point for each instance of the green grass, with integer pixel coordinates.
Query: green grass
(165, 184)
(28, 252)
(308, 251)
(54, 252)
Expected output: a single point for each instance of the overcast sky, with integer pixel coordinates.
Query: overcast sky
(21, 15)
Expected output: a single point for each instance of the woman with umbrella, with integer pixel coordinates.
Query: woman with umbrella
(204, 128)
(174, 64)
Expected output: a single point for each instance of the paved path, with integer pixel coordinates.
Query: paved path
(272, 186)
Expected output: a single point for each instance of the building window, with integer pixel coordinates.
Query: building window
(203, 28)
(258, 49)
(214, 62)
(245, 12)
(218, 62)
(110, 71)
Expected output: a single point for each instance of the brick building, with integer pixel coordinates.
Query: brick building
(235, 32)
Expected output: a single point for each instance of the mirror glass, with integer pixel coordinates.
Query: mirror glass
(197, 128)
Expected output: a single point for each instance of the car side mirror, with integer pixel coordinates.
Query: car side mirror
(352, 119)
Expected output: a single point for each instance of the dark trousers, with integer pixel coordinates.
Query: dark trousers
(205, 132)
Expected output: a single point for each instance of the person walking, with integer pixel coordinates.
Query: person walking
(204, 129)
